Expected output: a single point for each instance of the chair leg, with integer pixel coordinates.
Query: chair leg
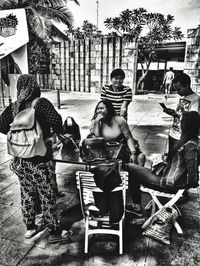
(121, 237)
(86, 234)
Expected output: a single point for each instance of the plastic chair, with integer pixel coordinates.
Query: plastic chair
(155, 194)
(94, 224)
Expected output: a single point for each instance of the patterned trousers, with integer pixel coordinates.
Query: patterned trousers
(36, 179)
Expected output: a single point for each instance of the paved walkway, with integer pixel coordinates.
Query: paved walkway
(150, 126)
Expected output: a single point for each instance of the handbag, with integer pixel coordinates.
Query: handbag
(159, 164)
(93, 149)
(161, 224)
(107, 176)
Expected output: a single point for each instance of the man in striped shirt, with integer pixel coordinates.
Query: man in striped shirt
(117, 93)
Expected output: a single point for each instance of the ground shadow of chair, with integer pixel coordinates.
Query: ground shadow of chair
(155, 195)
(93, 223)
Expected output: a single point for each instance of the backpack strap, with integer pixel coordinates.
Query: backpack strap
(34, 102)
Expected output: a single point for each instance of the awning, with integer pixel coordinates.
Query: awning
(13, 30)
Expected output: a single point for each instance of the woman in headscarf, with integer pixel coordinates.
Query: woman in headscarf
(35, 173)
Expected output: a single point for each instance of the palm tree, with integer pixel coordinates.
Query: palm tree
(41, 15)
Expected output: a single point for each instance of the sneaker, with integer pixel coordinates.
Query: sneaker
(60, 194)
(138, 220)
(30, 233)
(64, 236)
(130, 209)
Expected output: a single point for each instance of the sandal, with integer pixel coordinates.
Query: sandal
(64, 236)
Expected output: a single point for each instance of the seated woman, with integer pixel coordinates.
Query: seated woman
(107, 124)
(181, 170)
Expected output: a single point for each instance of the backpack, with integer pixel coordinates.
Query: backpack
(71, 129)
(25, 138)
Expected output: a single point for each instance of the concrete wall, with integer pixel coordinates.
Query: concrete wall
(85, 65)
(192, 58)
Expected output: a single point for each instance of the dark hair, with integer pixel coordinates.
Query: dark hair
(183, 78)
(171, 68)
(117, 72)
(190, 125)
(73, 129)
(110, 110)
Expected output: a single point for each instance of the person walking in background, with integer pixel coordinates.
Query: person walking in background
(119, 94)
(35, 173)
(167, 81)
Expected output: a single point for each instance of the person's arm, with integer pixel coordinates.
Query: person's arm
(190, 156)
(171, 112)
(6, 119)
(46, 111)
(95, 126)
(127, 99)
(129, 138)
(124, 108)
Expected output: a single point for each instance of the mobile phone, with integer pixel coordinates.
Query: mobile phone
(163, 105)
(113, 143)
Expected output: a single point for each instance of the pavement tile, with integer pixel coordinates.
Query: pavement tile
(11, 195)
(45, 257)
(6, 211)
(14, 229)
(6, 176)
(178, 253)
(12, 252)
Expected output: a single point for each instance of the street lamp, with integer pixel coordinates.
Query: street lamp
(97, 14)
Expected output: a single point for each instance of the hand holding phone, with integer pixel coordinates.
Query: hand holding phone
(163, 105)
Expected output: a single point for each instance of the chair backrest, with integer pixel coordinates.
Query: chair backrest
(86, 186)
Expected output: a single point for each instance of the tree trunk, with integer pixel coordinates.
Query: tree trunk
(144, 74)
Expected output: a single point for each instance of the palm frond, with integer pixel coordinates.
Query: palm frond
(8, 4)
(57, 14)
(38, 25)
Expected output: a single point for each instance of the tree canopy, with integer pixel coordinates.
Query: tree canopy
(148, 29)
(87, 30)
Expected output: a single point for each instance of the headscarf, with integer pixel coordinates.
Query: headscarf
(27, 90)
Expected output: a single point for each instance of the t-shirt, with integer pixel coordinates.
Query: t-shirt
(185, 104)
(169, 76)
(116, 97)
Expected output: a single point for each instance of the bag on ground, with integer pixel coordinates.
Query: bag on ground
(25, 138)
(161, 225)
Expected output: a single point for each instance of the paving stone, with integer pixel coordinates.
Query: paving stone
(12, 252)
(45, 257)
(178, 253)
(11, 195)
(6, 211)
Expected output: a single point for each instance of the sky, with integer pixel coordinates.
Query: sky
(185, 12)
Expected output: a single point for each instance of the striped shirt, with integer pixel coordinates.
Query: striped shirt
(116, 97)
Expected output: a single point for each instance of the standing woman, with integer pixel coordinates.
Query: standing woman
(35, 173)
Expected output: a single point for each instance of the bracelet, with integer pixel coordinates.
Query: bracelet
(133, 152)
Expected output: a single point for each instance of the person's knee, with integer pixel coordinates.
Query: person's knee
(141, 159)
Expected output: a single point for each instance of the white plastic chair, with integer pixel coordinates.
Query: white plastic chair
(86, 186)
(155, 194)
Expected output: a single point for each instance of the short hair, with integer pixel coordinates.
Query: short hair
(171, 68)
(117, 72)
(183, 78)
